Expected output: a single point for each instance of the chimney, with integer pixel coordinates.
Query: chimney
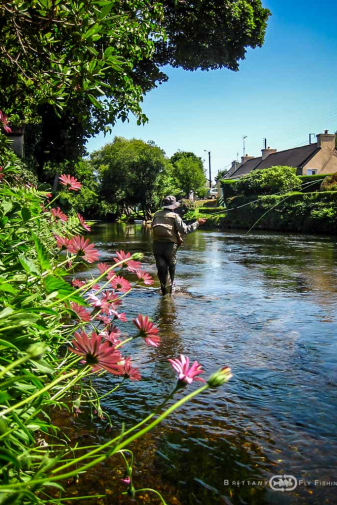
(235, 165)
(246, 158)
(326, 140)
(266, 152)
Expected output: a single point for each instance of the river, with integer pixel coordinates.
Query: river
(266, 305)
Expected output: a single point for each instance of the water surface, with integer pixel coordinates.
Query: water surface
(266, 305)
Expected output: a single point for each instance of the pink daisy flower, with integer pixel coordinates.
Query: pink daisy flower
(83, 223)
(104, 319)
(120, 317)
(1, 175)
(131, 265)
(70, 182)
(80, 311)
(4, 121)
(62, 242)
(112, 335)
(187, 375)
(103, 267)
(111, 298)
(120, 284)
(145, 277)
(130, 372)
(57, 213)
(147, 330)
(83, 248)
(96, 354)
(77, 283)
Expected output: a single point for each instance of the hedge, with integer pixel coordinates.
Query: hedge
(228, 188)
(296, 212)
(306, 179)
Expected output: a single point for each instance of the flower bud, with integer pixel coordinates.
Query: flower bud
(220, 377)
(36, 351)
(137, 256)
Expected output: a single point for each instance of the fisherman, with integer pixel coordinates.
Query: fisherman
(167, 228)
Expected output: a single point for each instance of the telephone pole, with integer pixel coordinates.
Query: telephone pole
(209, 167)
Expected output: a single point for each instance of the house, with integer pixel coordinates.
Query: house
(312, 159)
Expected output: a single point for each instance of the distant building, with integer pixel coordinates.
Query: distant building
(312, 159)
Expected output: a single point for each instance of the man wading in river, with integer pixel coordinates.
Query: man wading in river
(167, 228)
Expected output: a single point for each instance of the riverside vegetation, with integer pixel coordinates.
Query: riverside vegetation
(57, 335)
(277, 199)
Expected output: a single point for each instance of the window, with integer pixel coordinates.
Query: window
(311, 171)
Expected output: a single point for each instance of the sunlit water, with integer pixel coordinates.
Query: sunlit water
(266, 305)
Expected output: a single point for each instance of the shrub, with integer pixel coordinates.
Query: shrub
(228, 188)
(279, 179)
(54, 335)
(311, 182)
(329, 183)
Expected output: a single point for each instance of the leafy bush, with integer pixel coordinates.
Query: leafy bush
(55, 335)
(311, 182)
(329, 183)
(279, 179)
(228, 188)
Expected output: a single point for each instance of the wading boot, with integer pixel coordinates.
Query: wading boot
(163, 289)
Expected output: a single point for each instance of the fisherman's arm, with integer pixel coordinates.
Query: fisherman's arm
(187, 228)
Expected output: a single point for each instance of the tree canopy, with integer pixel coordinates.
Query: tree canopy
(130, 173)
(188, 170)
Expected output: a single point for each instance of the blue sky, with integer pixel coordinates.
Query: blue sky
(283, 92)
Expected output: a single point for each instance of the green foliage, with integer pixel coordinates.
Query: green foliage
(131, 172)
(228, 188)
(188, 170)
(38, 373)
(311, 182)
(329, 183)
(314, 212)
(267, 181)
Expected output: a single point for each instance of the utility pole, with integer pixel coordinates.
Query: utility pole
(209, 167)
(244, 144)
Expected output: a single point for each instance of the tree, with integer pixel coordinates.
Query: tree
(221, 174)
(96, 59)
(130, 172)
(188, 170)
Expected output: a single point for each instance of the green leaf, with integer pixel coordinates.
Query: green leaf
(29, 265)
(4, 396)
(41, 254)
(8, 288)
(9, 457)
(25, 213)
(63, 289)
(92, 31)
(7, 206)
(3, 222)
(43, 366)
(95, 102)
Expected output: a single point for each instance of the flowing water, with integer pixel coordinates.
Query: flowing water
(266, 305)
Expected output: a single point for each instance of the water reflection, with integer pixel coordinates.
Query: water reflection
(266, 305)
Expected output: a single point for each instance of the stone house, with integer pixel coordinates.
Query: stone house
(312, 159)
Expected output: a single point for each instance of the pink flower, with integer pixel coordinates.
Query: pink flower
(147, 330)
(126, 480)
(70, 182)
(58, 213)
(77, 283)
(104, 319)
(145, 277)
(83, 248)
(103, 267)
(111, 298)
(112, 336)
(120, 284)
(129, 371)
(83, 223)
(62, 242)
(121, 317)
(132, 265)
(187, 375)
(4, 121)
(1, 175)
(80, 311)
(96, 354)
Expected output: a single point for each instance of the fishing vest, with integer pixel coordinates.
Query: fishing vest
(163, 226)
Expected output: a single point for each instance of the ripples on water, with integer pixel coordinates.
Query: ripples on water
(265, 304)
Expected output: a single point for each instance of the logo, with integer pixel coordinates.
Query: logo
(283, 483)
